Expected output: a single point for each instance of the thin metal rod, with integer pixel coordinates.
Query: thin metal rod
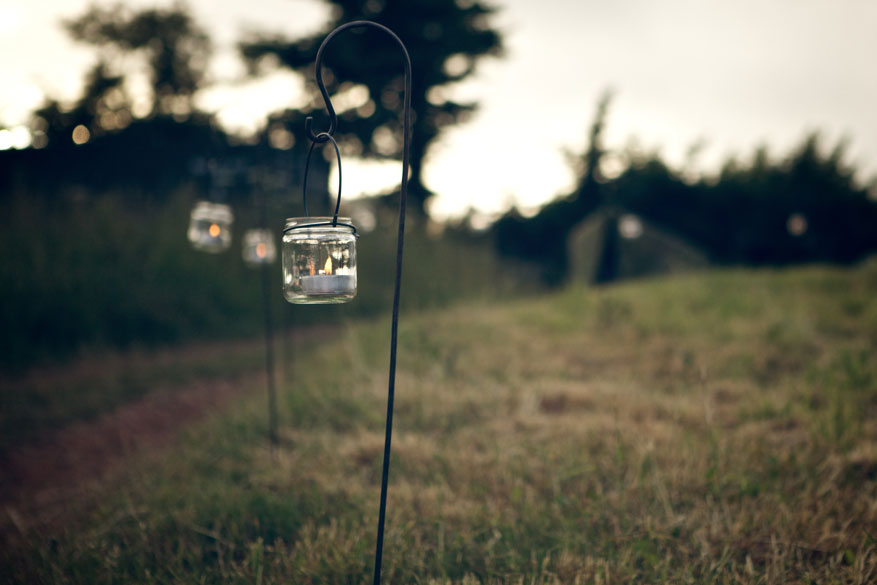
(269, 340)
(269, 355)
(406, 147)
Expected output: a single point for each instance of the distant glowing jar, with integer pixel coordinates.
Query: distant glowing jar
(210, 226)
(319, 260)
(259, 247)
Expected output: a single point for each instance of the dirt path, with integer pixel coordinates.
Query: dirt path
(38, 479)
(41, 477)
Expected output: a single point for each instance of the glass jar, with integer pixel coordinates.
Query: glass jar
(210, 226)
(259, 247)
(319, 260)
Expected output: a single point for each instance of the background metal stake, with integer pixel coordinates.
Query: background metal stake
(269, 338)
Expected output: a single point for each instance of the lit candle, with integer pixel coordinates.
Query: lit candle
(326, 283)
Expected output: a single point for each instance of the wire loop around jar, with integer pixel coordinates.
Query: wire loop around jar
(322, 138)
(333, 223)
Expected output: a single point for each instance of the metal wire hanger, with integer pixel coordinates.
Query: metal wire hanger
(328, 136)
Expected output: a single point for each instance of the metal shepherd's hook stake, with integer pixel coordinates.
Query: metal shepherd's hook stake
(323, 137)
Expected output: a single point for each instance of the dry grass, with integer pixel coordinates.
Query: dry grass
(717, 428)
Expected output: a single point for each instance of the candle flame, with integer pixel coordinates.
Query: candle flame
(328, 267)
(213, 230)
(261, 250)
(311, 269)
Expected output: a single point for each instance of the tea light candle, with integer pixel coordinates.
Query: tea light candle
(323, 284)
(326, 283)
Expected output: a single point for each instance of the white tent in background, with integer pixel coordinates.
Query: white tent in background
(641, 249)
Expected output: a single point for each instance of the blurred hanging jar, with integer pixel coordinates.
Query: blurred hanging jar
(319, 260)
(259, 247)
(210, 226)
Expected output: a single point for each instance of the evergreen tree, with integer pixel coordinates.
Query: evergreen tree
(147, 149)
(175, 47)
(445, 39)
(103, 106)
(542, 239)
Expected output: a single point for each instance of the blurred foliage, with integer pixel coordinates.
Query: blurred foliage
(745, 215)
(445, 39)
(95, 252)
(102, 106)
(110, 138)
(176, 49)
(542, 239)
(742, 216)
(89, 270)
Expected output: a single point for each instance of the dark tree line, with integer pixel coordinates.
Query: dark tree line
(743, 216)
(109, 138)
(804, 207)
(739, 217)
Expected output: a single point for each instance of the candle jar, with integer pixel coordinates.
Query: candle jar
(319, 260)
(210, 226)
(259, 247)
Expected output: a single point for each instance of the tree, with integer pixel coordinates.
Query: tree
(155, 150)
(542, 239)
(102, 107)
(445, 38)
(176, 49)
(587, 165)
(748, 213)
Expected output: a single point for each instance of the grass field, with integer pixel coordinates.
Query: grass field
(713, 428)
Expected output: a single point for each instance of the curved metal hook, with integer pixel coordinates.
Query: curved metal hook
(326, 138)
(318, 65)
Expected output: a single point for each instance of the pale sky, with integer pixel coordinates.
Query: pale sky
(732, 75)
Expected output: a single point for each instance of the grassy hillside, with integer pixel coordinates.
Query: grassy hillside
(715, 428)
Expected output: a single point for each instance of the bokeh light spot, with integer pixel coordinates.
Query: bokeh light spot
(81, 135)
(21, 137)
(40, 140)
(18, 138)
(280, 137)
(796, 225)
(456, 65)
(630, 227)
(5, 139)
